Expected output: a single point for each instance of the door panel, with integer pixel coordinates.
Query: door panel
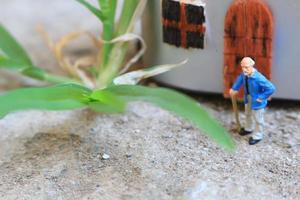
(248, 31)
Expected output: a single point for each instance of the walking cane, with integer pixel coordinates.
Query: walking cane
(236, 112)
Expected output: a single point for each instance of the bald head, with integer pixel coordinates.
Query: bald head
(247, 61)
(247, 64)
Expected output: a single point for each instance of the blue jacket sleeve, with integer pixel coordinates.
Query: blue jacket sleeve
(238, 83)
(267, 88)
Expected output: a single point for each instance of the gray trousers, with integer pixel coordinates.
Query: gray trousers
(254, 121)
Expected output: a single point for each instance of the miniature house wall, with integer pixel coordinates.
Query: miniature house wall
(219, 34)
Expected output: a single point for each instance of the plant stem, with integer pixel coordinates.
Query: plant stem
(119, 50)
(109, 11)
(117, 56)
(128, 10)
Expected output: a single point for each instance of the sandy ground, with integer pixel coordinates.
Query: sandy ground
(153, 154)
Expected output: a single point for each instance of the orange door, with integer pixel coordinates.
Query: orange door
(248, 32)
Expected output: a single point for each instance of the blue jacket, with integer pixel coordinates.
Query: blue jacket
(259, 88)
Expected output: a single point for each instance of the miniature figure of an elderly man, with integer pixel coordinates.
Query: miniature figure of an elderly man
(257, 89)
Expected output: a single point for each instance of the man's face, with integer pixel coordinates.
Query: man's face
(247, 70)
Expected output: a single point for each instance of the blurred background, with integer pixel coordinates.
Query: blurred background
(58, 18)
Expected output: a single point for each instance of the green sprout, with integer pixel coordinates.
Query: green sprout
(103, 87)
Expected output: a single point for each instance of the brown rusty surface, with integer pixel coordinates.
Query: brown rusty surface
(259, 23)
(259, 48)
(248, 31)
(186, 27)
(234, 46)
(235, 20)
(182, 25)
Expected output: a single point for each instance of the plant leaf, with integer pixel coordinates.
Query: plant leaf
(16, 58)
(109, 99)
(103, 108)
(12, 64)
(179, 104)
(98, 13)
(132, 78)
(12, 48)
(39, 74)
(61, 97)
(33, 72)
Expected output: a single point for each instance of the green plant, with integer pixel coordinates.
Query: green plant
(109, 91)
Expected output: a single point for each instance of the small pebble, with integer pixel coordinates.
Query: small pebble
(105, 156)
(128, 155)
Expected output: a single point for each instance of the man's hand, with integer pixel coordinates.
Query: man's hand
(233, 92)
(259, 100)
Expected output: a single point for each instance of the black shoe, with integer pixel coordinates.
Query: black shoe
(243, 132)
(253, 141)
